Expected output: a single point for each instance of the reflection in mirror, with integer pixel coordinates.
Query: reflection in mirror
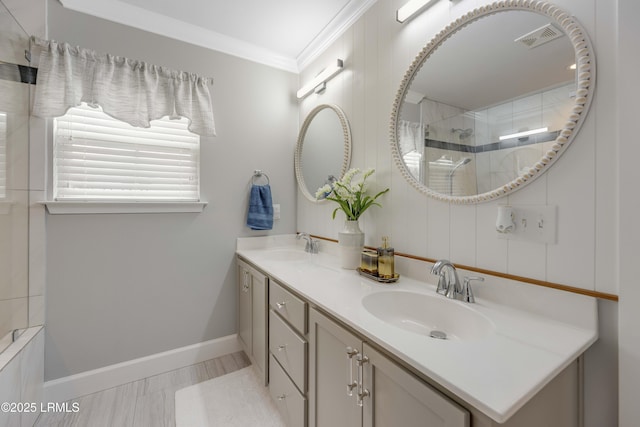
(323, 152)
(488, 105)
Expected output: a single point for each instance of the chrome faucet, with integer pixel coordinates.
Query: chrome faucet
(311, 246)
(448, 282)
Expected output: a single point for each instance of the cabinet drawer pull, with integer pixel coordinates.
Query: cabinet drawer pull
(361, 396)
(246, 282)
(351, 352)
(281, 305)
(282, 347)
(362, 392)
(282, 397)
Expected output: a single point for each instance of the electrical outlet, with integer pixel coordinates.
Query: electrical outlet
(533, 224)
(276, 211)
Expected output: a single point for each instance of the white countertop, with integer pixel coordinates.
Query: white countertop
(497, 374)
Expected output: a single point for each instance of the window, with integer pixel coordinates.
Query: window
(99, 158)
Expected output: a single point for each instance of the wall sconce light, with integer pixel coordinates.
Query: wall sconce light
(523, 134)
(411, 8)
(321, 79)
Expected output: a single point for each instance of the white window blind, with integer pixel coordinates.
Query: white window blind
(99, 158)
(3, 156)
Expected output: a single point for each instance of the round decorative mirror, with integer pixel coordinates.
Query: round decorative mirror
(323, 152)
(492, 101)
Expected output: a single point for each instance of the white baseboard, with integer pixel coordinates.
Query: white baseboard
(74, 386)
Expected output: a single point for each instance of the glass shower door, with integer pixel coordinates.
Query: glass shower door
(14, 178)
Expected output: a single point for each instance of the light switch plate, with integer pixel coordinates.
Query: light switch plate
(533, 224)
(276, 211)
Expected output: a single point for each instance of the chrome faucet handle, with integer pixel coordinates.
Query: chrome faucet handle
(467, 293)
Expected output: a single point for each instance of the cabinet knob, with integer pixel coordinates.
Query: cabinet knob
(281, 304)
(282, 397)
(282, 347)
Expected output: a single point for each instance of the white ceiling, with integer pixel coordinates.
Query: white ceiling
(286, 34)
(501, 68)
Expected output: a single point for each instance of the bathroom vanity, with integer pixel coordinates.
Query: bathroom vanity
(344, 350)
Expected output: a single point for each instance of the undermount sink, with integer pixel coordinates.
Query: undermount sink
(429, 316)
(286, 255)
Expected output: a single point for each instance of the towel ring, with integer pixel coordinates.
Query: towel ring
(257, 174)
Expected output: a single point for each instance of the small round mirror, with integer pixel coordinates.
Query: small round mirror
(323, 152)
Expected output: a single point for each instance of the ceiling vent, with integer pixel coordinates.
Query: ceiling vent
(540, 36)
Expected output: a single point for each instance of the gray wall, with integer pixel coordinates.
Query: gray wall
(628, 63)
(122, 286)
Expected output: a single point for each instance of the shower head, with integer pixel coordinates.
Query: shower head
(464, 133)
(460, 162)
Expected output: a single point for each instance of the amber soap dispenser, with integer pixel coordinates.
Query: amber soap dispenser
(386, 260)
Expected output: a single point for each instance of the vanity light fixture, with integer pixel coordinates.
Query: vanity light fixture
(522, 134)
(320, 79)
(411, 8)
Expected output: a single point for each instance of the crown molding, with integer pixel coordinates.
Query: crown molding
(338, 25)
(133, 16)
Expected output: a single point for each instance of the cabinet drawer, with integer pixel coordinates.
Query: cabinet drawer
(289, 349)
(289, 306)
(291, 404)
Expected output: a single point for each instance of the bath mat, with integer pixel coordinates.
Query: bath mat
(235, 399)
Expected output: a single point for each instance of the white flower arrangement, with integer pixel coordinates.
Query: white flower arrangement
(350, 194)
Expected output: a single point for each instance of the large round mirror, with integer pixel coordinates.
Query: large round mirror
(323, 152)
(492, 101)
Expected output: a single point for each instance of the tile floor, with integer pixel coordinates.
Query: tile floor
(145, 403)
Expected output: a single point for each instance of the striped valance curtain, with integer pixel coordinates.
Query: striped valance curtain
(129, 90)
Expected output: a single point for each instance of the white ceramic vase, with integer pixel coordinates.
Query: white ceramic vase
(351, 242)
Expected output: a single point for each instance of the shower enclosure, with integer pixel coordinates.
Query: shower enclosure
(15, 78)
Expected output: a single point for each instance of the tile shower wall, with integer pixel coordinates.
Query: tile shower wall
(21, 249)
(21, 378)
(14, 178)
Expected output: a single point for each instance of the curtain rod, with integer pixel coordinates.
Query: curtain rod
(46, 43)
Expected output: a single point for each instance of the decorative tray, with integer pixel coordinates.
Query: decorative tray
(378, 279)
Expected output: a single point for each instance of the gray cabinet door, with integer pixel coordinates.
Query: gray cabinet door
(252, 315)
(244, 308)
(329, 403)
(397, 398)
(392, 396)
(259, 325)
